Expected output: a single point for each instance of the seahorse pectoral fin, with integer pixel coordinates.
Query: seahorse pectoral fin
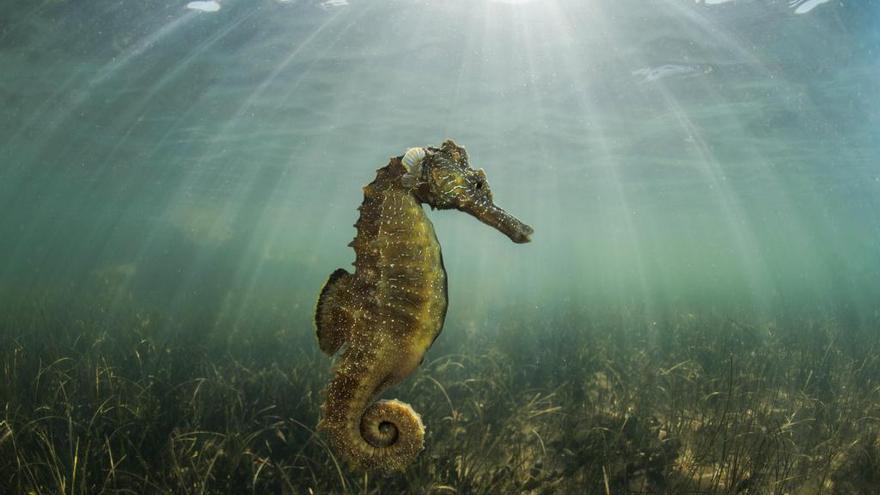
(332, 317)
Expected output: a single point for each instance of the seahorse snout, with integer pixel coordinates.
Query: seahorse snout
(507, 224)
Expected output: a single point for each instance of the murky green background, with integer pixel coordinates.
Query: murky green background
(698, 311)
(673, 156)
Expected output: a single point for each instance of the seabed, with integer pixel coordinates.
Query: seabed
(129, 400)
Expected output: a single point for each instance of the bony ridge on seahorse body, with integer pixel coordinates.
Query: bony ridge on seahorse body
(388, 312)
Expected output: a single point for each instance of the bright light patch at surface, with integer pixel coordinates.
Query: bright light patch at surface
(207, 6)
(798, 6)
(804, 6)
(514, 2)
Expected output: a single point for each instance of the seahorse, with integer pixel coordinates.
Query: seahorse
(386, 314)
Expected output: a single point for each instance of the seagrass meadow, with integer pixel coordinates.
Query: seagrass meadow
(135, 401)
(698, 310)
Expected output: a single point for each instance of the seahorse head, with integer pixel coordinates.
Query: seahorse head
(443, 178)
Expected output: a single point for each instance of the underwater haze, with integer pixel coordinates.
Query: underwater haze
(698, 310)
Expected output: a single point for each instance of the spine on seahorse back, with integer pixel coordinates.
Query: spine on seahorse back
(395, 306)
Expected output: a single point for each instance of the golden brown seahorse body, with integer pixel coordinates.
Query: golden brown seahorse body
(389, 311)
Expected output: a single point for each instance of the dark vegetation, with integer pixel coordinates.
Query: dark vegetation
(132, 401)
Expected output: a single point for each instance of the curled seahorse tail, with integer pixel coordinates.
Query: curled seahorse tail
(388, 437)
(395, 432)
(383, 436)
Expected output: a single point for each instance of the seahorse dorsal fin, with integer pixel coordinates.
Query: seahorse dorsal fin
(331, 313)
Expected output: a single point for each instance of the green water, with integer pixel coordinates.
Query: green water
(677, 159)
